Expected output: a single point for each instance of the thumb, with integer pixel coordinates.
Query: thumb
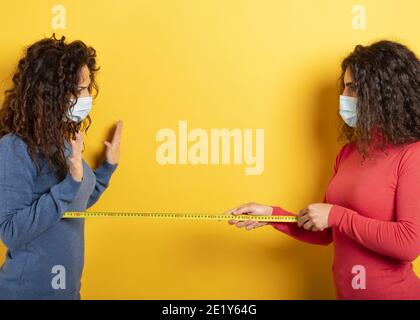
(107, 144)
(245, 209)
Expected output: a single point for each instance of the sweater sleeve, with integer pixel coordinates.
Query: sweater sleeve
(398, 239)
(324, 237)
(23, 214)
(103, 175)
(299, 233)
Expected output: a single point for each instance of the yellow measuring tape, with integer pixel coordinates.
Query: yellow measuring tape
(187, 216)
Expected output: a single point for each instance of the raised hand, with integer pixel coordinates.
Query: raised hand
(76, 164)
(112, 153)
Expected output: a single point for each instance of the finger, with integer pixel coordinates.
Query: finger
(314, 228)
(251, 225)
(301, 220)
(245, 223)
(117, 133)
(107, 144)
(303, 211)
(230, 211)
(77, 145)
(234, 211)
(244, 209)
(308, 225)
(255, 225)
(261, 224)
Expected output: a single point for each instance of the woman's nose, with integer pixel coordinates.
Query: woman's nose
(346, 92)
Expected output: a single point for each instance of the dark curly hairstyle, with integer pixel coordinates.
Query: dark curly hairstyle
(46, 79)
(386, 80)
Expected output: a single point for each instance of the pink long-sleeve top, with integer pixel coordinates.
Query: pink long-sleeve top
(374, 223)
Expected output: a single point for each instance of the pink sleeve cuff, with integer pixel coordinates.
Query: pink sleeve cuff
(277, 211)
(335, 216)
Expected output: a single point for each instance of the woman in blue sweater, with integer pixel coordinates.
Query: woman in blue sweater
(42, 173)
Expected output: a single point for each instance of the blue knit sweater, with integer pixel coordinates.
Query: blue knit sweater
(45, 253)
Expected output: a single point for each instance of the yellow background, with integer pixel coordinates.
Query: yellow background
(217, 64)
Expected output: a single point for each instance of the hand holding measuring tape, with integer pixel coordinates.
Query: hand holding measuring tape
(313, 217)
(253, 209)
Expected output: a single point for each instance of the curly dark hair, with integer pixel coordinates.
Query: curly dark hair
(45, 80)
(386, 80)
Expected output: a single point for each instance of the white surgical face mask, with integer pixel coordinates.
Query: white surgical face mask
(348, 110)
(81, 109)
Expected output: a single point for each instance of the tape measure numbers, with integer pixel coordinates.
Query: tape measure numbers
(186, 216)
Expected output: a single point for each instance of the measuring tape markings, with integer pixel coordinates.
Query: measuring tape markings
(185, 216)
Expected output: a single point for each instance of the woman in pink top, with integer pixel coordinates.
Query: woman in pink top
(371, 208)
